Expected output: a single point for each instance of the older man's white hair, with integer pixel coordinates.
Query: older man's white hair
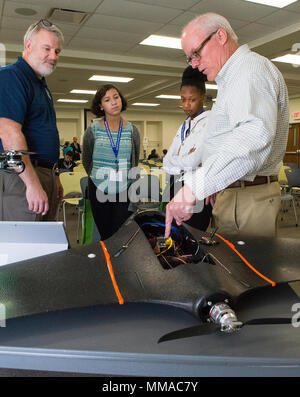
(211, 22)
(47, 25)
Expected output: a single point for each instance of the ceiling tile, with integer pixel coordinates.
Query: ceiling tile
(243, 39)
(170, 30)
(183, 19)
(109, 35)
(188, 16)
(41, 10)
(177, 4)
(293, 7)
(12, 36)
(107, 40)
(144, 12)
(280, 19)
(154, 52)
(122, 24)
(255, 31)
(98, 45)
(78, 5)
(23, 24)
(237, 9)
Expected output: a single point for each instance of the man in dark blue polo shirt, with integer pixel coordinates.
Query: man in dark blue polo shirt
(28, 122)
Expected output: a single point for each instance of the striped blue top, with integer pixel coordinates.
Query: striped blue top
(104, 158)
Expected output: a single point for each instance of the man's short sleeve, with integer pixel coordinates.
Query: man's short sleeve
(13, 96)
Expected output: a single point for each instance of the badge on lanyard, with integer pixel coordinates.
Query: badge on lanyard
(115, 147)
(115, 176)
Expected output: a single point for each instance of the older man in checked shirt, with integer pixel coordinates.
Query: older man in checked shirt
(246, 133)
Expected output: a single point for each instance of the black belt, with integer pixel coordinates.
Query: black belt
(258, 180)
(43, 164)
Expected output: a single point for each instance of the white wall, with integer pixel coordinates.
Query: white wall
(164, 126)
(169, 123)
(159, 128)
(67, 129)
(71, 123)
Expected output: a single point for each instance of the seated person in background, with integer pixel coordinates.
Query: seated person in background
(153, 155)
(185, 152)
(165, 151)
(76, 149)
(66, 147)
(67, 163)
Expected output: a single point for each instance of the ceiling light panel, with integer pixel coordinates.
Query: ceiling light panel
(162, 41)
(115, 79)
(288, 58)
(273, 3)
(73, 100)
(145, 104)
(88, 92)
(168, 96)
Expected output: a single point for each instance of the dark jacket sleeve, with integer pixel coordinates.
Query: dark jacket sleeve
(88, 150)
(136, 146)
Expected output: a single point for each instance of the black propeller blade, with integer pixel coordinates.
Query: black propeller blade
(269, 321)
(210, 328)
(197, 330)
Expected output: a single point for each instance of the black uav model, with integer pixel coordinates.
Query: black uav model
(205, 274)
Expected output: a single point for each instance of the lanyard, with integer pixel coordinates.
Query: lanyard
(115, 147)
(184, 135)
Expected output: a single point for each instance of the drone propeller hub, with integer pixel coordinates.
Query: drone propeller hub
(223, 315)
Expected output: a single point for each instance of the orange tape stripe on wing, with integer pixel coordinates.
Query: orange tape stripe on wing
(111, 272)
(245, 260)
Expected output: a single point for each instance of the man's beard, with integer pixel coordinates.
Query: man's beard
(43, 69)
(46, 70)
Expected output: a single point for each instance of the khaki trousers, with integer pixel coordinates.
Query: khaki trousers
(248, 210)
(13, 202)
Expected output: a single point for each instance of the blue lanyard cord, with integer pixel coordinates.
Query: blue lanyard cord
(115, 147)
(184, 135)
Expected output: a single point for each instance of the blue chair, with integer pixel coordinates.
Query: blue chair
(291, 165)
(293, 177)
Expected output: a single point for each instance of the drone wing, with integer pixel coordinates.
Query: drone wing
(118, 272)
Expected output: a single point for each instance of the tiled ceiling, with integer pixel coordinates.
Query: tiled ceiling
(107, 42)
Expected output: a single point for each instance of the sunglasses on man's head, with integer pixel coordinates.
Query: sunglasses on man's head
(44, 22)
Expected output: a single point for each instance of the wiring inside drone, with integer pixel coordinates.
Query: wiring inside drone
(180, 248)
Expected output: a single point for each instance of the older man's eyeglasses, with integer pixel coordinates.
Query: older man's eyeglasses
(197, 53)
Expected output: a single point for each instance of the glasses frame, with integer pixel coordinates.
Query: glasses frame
(196, 56)
(44, 22)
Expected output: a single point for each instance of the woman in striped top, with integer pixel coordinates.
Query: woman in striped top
(111, 148)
